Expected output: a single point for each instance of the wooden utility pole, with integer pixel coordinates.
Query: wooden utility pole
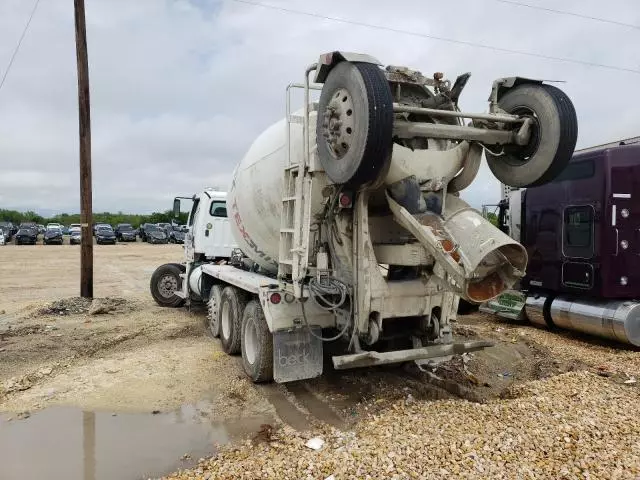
(84, 116)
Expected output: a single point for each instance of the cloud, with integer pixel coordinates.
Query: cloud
(180, 88)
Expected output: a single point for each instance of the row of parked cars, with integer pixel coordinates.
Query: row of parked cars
(53, 233)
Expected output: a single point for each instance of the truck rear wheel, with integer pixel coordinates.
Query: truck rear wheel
(232, 303)
(553, 136)
(257, 344)
(165, 281)
(354, 131)
(213, 311)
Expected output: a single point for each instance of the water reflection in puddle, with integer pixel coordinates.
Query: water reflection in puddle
(68, 443)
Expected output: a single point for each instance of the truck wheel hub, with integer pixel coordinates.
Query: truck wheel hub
(167, 286)
(338, 123)
(250, 342)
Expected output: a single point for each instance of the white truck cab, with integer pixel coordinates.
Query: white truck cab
(209, 236)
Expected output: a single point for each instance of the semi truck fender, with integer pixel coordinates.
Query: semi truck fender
(329, 60)
(503, 85)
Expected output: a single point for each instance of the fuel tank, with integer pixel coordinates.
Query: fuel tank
(613, 319)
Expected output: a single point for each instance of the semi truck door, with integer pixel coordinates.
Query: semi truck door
(578, 242)
(218, 241)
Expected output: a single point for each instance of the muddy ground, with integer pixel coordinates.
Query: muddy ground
(123, 355)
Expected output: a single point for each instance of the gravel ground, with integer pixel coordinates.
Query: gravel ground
(575, 425)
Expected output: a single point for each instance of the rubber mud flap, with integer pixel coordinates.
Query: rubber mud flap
(297, 354)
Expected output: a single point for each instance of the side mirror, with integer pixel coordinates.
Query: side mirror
(176, 207)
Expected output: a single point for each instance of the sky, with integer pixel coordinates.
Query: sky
(180, 88)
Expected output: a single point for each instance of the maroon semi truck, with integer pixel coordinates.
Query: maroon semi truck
(582, 235)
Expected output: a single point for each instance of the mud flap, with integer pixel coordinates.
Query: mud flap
(297, 354)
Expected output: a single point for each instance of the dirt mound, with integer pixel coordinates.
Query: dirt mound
(83, 306)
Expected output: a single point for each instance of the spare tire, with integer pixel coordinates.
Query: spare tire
(354, 127)
(554, 132)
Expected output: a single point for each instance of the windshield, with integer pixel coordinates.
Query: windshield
(104, 229)
(152, 228)
(125, 228)
(74, 229)
(53, 229)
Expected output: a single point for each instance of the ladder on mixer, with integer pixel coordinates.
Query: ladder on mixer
(295, 221)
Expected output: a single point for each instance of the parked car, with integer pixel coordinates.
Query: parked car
(154, 234)
(8, 231)
(74, 225)
(105, 234)
(50, 225)
(40, 228)
(125, 233)
(174, 234)
(98, 225)
(163, 225)
(26, 236)
(53, 235)
(142, 231)
(2, 237)
(75, 235)
(65, 230)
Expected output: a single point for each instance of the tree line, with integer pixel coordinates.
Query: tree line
(134, 219)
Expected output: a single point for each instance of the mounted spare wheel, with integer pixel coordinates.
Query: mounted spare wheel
(553, 135)
(355, 124)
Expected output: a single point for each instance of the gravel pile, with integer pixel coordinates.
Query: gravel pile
(574, 425)
(79, 306)
(563, 344)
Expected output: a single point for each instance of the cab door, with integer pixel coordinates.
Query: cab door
(578, 247)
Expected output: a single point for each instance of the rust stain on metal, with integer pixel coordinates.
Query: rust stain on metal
(486, 288)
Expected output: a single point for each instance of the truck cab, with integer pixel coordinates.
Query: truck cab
(209, 236)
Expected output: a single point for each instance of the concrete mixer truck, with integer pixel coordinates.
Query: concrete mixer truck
(349, 223)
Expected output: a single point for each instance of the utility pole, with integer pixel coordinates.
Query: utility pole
(84, 117)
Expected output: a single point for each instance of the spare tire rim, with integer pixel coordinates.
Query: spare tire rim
(167, 285)
(338, 123)
(521, 154)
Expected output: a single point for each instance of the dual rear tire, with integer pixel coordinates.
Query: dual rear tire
(240, 323)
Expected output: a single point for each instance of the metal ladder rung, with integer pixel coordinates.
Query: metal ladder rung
(286, 261)
(286, 230)
(288, 199)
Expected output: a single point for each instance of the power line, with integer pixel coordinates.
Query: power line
(441, 39)
(15, 52)
(571, 14)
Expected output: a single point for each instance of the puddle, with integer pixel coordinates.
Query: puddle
(69, 444)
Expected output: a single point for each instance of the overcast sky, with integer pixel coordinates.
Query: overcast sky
(180, 88)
